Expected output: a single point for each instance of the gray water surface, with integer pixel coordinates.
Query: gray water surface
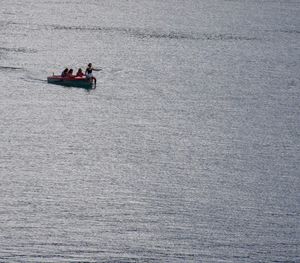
(187, 150)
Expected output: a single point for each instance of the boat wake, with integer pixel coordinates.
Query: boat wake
(17, 50)
(32, 79)
(4, 68)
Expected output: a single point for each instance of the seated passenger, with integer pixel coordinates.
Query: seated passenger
(79, 73)
(65, 72)
(70, 73)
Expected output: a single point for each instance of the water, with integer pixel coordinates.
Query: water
(187, 150)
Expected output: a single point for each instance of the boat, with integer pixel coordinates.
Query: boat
(80, 82)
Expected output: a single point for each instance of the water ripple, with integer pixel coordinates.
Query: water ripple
(157, 34)
(18, 50)
(290, 31)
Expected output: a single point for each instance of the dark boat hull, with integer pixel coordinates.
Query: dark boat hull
(80, 82)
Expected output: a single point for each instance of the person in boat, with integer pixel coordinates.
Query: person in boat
(89, 72)
(65, 72)
(70, 73)
(79, 73)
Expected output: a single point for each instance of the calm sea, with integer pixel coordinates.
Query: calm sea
(188, 150)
